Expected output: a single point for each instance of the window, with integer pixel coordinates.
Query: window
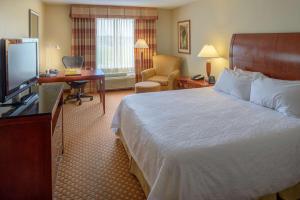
(115, 45)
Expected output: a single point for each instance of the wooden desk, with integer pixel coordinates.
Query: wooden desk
(185, 82)
(96, 74)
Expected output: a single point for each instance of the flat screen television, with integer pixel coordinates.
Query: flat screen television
(19, 66)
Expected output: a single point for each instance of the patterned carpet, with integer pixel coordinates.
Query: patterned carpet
(95, 164)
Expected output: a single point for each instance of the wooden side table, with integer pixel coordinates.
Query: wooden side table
(185, 82)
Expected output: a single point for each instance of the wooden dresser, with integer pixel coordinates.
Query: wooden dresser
(31, 147)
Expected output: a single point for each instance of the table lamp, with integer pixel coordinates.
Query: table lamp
(49, 55)
(208, 51)
(141, 44)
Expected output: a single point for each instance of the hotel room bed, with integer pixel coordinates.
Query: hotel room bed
(202, 144)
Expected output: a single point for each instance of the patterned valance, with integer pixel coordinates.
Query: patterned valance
(82, 11)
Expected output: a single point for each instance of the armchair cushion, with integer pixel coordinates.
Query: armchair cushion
(163, 80)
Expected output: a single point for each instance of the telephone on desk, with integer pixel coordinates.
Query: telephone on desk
(211, 79)
(49, 73)
(198, 77)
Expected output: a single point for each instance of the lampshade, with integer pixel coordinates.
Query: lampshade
(141, 44)
(208, 51)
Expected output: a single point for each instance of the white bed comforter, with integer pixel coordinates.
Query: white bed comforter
(203, 145)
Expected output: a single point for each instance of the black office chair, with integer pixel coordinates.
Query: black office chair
(76, 62)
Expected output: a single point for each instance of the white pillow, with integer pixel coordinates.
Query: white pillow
(283, 96)
(254, 75)
(235, 84)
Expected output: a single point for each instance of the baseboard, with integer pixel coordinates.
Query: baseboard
(119, 89)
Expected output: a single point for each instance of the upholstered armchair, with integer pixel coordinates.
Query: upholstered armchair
(165, 71)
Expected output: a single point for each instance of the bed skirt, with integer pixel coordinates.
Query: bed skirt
(133, 167)
(292, 193)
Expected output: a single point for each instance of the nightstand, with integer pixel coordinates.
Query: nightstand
(185, 82)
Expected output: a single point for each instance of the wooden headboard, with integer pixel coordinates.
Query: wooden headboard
(276, 55)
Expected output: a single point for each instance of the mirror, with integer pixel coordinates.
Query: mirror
(33, 24)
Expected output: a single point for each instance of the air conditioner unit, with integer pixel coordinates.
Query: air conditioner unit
(125, 81)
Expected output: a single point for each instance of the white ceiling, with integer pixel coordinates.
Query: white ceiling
(168, 4)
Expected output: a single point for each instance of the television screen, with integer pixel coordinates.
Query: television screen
(22, 63)
(19, 61)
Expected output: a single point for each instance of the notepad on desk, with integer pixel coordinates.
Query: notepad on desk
(72, 71)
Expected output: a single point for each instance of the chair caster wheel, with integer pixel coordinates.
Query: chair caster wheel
(91, 99)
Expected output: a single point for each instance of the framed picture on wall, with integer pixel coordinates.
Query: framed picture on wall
(184, 36)
(33, 24)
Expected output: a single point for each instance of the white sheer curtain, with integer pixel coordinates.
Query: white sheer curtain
(115, 45)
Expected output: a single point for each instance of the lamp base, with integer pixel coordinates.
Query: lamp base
(208, 68)
(142, 59)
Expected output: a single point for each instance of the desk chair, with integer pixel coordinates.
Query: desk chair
(76, 62)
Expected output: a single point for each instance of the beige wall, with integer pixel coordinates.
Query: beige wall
(14, 20)
(214, 22)
(57, 32)
(164, 32)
